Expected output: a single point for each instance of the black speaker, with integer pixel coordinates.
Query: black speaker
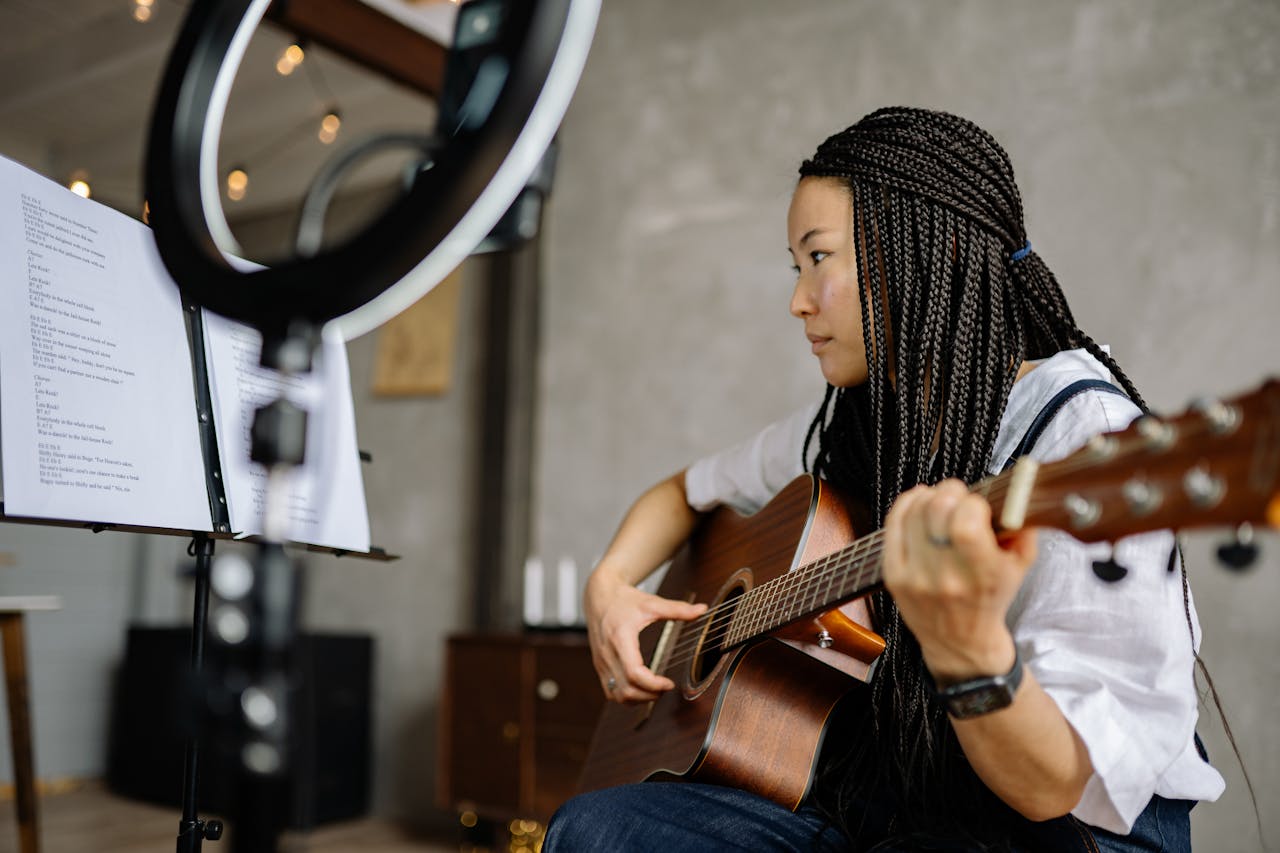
(158, 704)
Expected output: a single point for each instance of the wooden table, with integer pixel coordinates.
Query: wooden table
(13, 609)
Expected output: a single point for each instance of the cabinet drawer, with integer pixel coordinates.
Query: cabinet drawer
(567, 695)
(557, 764)
(482, 727)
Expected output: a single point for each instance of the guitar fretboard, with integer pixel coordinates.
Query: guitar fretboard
(818, 586)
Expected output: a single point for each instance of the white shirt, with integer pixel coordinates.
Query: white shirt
(1116, 657)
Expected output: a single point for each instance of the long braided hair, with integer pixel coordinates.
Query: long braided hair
(953, 301)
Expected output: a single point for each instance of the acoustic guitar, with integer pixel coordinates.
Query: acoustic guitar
(758, 675)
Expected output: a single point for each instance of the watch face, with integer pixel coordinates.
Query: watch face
(980, 695)
(980, 700)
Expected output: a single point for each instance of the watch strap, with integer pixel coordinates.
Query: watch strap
(977, 696)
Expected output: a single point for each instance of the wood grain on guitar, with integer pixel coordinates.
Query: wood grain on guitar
(758, 676)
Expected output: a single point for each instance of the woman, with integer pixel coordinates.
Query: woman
(942, 336)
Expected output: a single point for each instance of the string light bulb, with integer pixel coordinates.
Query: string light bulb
(78, 183)
(329, 127)
(142, 10)
(237, 183)
(290, 59)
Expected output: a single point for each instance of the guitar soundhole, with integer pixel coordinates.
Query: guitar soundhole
(711, 646)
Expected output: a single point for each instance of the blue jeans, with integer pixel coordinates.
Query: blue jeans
(679, 816)
(1164, 825)
(675, 816)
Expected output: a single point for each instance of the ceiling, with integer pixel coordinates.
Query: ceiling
(77, 80)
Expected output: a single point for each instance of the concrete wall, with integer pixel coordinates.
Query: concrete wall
(1144, 139)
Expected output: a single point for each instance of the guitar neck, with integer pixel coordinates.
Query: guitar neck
(843, 575)
(1216, 464)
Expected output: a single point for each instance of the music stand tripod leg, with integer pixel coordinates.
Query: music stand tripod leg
(191, 829)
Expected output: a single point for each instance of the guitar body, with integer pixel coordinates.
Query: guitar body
(754, 717)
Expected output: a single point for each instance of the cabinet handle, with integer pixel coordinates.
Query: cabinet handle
(548, 689)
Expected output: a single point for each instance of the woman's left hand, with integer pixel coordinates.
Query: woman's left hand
(952, 581)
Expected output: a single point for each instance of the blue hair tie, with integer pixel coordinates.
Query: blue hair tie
(1021, 253)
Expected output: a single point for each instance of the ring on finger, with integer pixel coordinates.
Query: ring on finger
(938, 541)
(611, 685)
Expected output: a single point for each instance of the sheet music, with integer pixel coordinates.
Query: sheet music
(98, 413)
(327, 501)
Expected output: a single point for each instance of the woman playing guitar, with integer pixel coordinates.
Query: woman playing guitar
(1021, 702)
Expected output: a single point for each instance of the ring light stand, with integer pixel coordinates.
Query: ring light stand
(524, 58)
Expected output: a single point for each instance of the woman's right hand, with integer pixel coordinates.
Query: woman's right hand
(616, 613)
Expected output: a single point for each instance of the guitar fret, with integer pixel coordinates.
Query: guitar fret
(848, 571)
(827, 570)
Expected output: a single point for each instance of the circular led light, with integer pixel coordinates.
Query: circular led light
(535, 57)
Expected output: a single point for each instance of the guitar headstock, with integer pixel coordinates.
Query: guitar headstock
(1218, 463)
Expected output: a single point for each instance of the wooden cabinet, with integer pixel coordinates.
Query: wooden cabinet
(517, 717)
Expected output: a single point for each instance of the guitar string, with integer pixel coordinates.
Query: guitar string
(810, 575)
(855, 572)
(719, 617)
(836, 565)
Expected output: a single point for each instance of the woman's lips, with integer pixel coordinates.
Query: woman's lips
(817, 343)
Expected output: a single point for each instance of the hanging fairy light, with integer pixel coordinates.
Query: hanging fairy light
(329, 127)
(237, 183)
(290, 59)
(78, 183)
(142, 10)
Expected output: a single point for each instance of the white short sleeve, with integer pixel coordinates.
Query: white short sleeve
(748, 475)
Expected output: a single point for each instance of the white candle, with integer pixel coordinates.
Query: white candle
(533, 591)
(567, 591)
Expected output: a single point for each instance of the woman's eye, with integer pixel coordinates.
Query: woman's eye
(817, 256)
(795, 268)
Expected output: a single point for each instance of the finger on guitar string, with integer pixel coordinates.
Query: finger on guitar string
(933, 520)
(631, 611)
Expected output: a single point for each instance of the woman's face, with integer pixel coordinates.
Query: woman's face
(826, 297)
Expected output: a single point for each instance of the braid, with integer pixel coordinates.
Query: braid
(947, 320)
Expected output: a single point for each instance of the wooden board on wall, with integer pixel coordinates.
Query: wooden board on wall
(414, 354)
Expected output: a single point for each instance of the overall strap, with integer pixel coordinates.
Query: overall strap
(1045, 415)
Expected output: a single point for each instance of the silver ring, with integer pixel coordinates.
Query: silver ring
(611, 685)
(938, 541)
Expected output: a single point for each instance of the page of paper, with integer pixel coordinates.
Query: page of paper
(326, 500)
(98, 406)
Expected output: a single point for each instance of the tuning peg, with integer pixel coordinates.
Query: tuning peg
(1241, 552)
(1109, 570)
(1221, 417)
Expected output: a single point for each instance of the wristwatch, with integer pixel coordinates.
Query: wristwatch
(979, 696)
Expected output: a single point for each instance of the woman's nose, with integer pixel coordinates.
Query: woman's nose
(802, 301)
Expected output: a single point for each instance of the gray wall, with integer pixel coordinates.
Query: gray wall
(1144, 138)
